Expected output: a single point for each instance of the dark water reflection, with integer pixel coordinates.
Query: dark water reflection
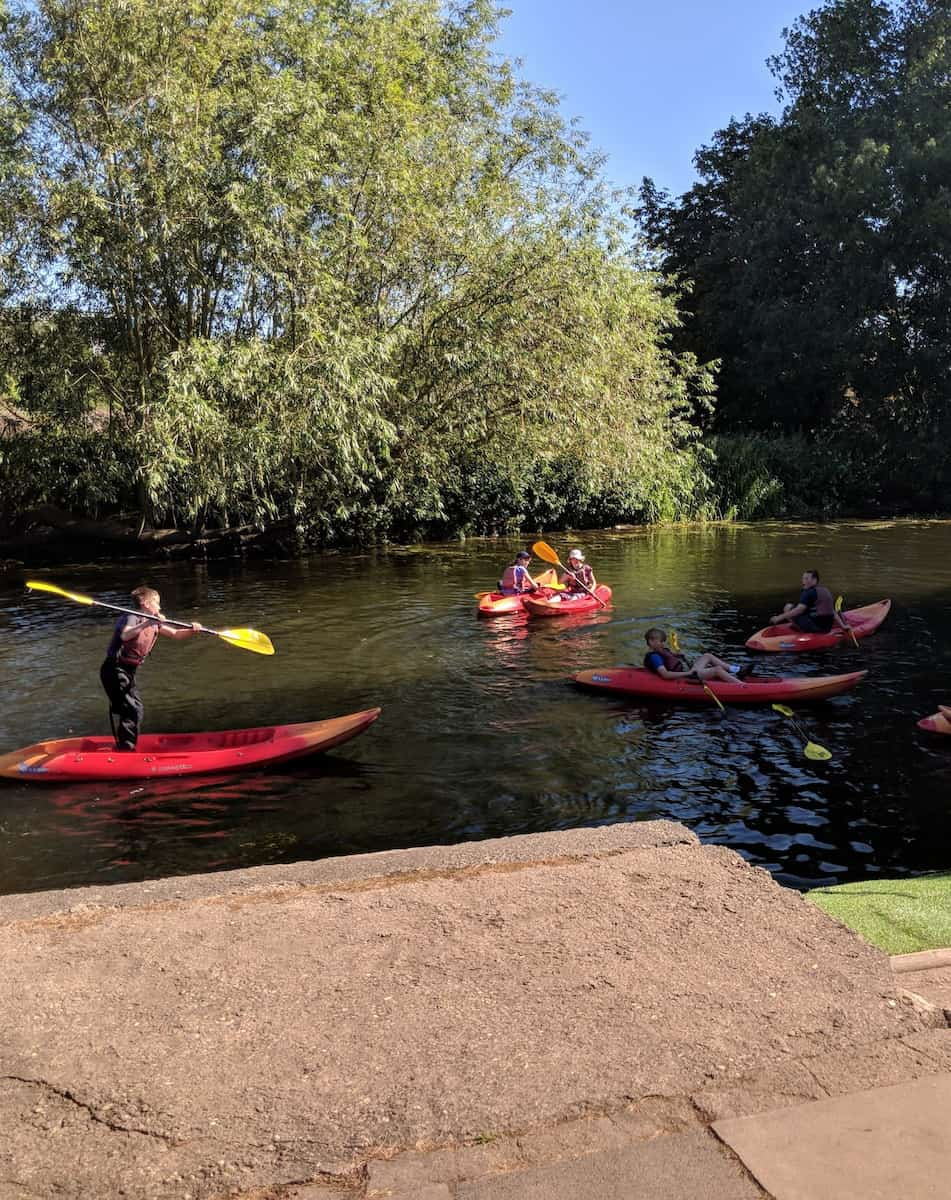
(480, 734)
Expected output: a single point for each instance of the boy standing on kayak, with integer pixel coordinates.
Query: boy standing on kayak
(668, 665)
(579, 578)
(815, 611)
(132, 642)
(516, 579)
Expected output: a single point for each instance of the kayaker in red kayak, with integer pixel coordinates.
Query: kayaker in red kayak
(515, 578)
(668, 665)
(815, 611)
(132, 642)
(579, 579)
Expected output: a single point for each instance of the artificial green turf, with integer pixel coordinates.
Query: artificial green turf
(897, 915)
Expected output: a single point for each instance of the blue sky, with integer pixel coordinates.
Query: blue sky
(651, 80)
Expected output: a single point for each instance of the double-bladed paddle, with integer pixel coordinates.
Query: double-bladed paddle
(812, 750)
(244, 639)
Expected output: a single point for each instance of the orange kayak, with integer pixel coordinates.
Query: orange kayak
(939, 723)
(165, 754)
(787, 638)
(566, 604)
(494, 604)
(638, 681)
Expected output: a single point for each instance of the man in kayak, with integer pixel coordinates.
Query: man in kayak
(515, 578)
(132, 642)
(815, 611)
(668, 665)
(579, 579)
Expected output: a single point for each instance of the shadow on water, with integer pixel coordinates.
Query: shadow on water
(481, 734)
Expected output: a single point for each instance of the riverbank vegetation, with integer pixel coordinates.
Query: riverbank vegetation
(817, 246)
(335, 270)
(328, 265)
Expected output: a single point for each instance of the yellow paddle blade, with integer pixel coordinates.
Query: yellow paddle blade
(838, 604)
(247, 639)
(543, 550)
(784, 709)
(818, 753)
(37, 585)
(714, 697)
(674, 641)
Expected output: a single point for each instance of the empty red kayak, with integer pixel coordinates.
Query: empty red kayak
(163, 754)
(939, 723)
(638, 681)
(567, 603)
(785, 638)
(494, 604)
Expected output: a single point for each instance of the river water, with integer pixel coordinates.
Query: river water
(481, 735)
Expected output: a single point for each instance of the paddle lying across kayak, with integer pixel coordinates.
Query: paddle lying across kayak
(786, 638)
(165, 754)
(495, 604)
(939, 723)
(638, 681)
(564, 604)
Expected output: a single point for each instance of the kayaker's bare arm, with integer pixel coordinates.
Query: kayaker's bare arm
(665, 674)
(179, 635)
(788, 615)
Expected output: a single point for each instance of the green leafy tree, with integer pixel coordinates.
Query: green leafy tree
(329, 250)
(816, 246)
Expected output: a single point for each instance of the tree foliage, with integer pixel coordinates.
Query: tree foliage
(818, 245)
(323, 254)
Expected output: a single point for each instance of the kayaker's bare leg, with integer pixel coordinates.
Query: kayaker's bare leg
(710, 662)
(711, 671)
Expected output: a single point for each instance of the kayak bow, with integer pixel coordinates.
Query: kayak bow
(939, 723)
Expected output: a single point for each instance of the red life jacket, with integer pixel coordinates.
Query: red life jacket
(514, 579)
(672, 662)
(825, 605)
(585, 577)
(136, 650)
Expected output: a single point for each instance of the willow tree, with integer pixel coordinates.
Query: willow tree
(333, 248)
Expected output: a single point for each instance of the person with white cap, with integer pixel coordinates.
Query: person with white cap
(579, 578)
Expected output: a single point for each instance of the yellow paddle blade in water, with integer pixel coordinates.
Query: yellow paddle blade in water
(811, 749)
(714, 697)
(36, 585)
(246, 639)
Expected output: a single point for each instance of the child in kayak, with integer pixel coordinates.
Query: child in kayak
(579, 579)
(132, 642)
(515, 578)
(668, 665)
(815, 611)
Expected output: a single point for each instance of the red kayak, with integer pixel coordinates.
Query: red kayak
(638, 681)
(164, 754)
(494, 604)
(939, 723)
(786, 637)
(565, 604)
